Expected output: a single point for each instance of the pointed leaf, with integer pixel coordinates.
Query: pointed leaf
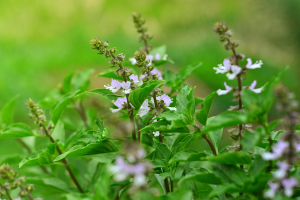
(67, 85)
(7, 112)
(106, 94)
(16, 131)
(202, 115)
(236, 157)
(81, 81)
(186, 156)
(110, 73)
(209, 178)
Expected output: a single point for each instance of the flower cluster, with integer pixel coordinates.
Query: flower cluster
(134, 166)
(286, 149)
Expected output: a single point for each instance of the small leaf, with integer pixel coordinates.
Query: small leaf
(82, 80)
(209, 178)
(106, 94)
(202, 115)
(229, 173)
(67, 85)
(186, 156)
(236, 157)
(104, 146)
(162, 151)
(185, 101)
(138, 96)
(110, 73)
(7, 112)
(184, 73)
(250, 140)
(59, 132)
(273, 125)
(61, 105)
(169, 77)
(16, 131)
(215, 137)
(226, 119)
(164, 126)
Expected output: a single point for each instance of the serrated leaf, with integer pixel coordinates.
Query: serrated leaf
(81, 81)
(138, 96)
(67, 84)
(164, 126)
(187, 155)
(250, 140)
(61, 105)
(104, 146)
(162, 151)
(7, 112)
(185, 102)
(233, 158)
(209, 178)
(226, 119)
(229, 173)
(110, 73)
(202, 115)
(16, 131)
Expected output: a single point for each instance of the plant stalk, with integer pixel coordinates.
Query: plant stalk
(7, 194)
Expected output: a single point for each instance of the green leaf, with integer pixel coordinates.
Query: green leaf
(202, 115)
(110, 73)
(42, 157)
(147, 140)
(226, 119)
(169, 77)
(185, 102)
(236, 157)
(102, 186)
(82, 80)
(229, 173)
(273, 125)
(198, 100)
(67, 85)
(250, 140)
(257, 167)
(59, 132)
(187, 155)
(184, 73)
(16, 131)
(104, 146)
(215, 137)
(138, 96)
(209, 178)
(7, 112)
(49, 182)
(159, 50)
(61, 105)
(162, 151)
(106, 94)
(164, 126)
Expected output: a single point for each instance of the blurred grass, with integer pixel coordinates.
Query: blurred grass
(42, 41)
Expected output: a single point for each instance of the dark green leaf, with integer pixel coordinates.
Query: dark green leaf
(230, 173)
(236, 157)
(104, 146)
(138, 96)
(187, 155)
(147, 140)
(215, 137)
(61, 105)
(185, 102)
(7, 112)
(110, 73)
(258, 166)
(249, 139)
(169, 77)
(16, 131)
(81, 81)
(164, 126)
(209, 178)
(273, 125)
(202, 115)
(162, 151)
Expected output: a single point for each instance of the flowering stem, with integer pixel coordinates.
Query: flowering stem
(29, 195)
(7, 194)
(80, 109)
(29, 151)
(64, 161)
(129, 108)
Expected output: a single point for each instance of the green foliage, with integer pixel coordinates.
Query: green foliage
(7, 112)
(16, 131)
(202, 115)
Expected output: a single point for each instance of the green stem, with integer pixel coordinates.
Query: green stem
(7, 194)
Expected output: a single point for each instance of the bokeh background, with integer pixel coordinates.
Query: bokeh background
(42, 41)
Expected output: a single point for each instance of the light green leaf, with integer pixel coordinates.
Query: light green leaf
(215, 137)
(7, 112)
(184, 73)
(16, 131)
(209, 178)
(202, 115)
(236, 157)
(110, 73)
(138, 96)
(67, 85)
(104, 146)
(169, 77)
(164, 126)
(161, 50)
(187, 155)
(81, 81)
(226, 119)
(49, 182)
(185, 101)
(106, 94)
(61, 105)
(59, 132)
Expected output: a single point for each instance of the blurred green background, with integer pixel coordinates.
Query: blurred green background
(42, 41)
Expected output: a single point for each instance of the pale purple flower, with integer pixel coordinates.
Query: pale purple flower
(119, 103)
(281, 172)
(235, 70)
(272, 191)
(144, 109)
(156, 71)
(227, 90)
(223, 68)
(156, 133)
(114, 87)
(278, 150)
(167, 101)
(288, 185)
(297, 146)
(134, 78)
(158, 57)
(252, 87)
(257, 64)
(126, 86)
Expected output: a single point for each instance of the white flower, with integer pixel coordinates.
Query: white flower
(257, 64)
(278, 150)
(144, 109)
(139, 180)
(167, 101)
(134, 78)
(288, 185)
(235, 70)
(126, 86)
(281, 172)
(119, 103)
(252, 87)
(222, 92)
(223, 68)
(272, 191)
(156, 133)
(114, 87)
